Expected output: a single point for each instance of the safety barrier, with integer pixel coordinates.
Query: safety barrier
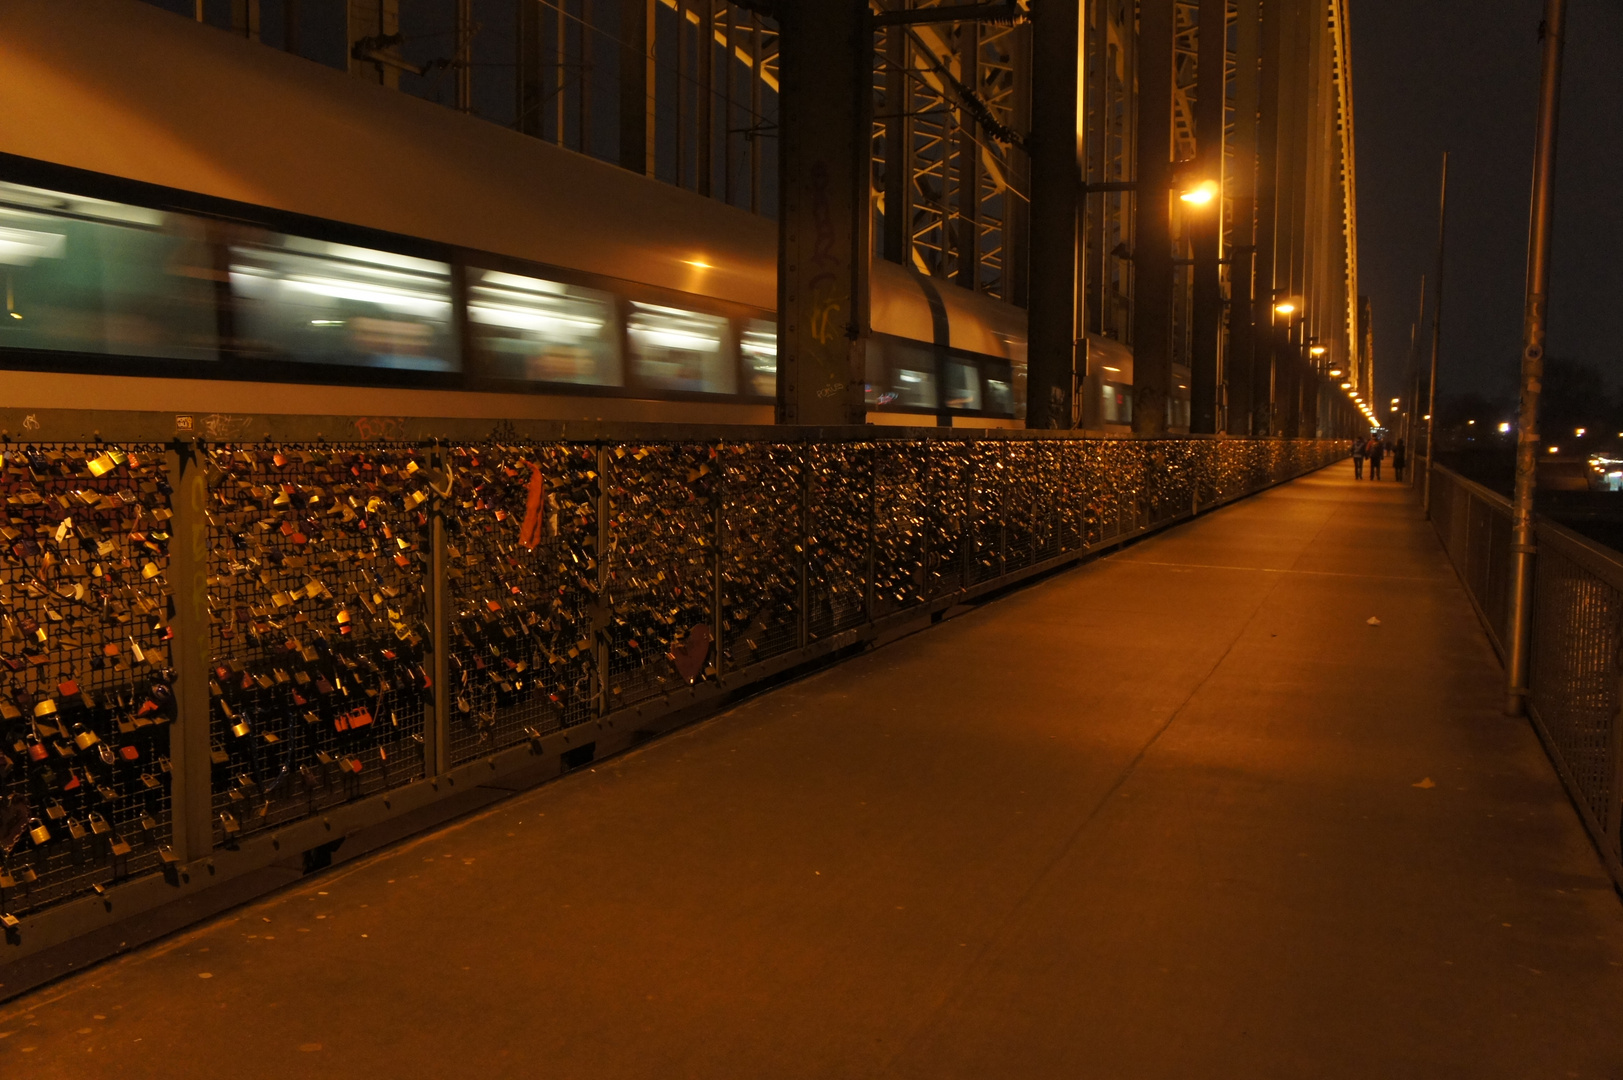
(1576, 638)
(232, 642)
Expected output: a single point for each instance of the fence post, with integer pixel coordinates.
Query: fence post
(437, 719)
(605, 607)
(873, 529)
(718, 539)
(803, 634)
(190, 750)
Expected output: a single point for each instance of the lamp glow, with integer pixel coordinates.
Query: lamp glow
(1285, 307)
(1201, 194)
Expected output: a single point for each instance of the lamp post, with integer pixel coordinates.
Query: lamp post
(1540, 218)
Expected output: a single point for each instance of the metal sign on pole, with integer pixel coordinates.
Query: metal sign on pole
(1540, 217)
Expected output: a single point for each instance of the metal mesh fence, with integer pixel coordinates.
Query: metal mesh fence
(522, 575)
(661, 567)
(1575, 638)
(86, 698)
(1577, 617)
(580, 576)
(317, 629)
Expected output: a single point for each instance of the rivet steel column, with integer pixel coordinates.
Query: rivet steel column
(1056, 190)
(825, 122)
(1533, 329)
(1265, 273)
(1206, 222)
(1152, 247)
(1239, 365)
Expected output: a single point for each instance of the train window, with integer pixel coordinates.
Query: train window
(527, 328)
(963, 385)
(676, 349)
(92, 276)
(317, 302)
(758, 349)
(1118, 403)
(999, 397)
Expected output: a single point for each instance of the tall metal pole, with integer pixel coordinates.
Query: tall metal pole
(1409, 417)
(1436, 338)
(1540, 218)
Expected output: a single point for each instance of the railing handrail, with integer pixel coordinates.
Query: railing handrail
(1486, 494)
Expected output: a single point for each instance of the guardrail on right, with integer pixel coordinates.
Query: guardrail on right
(1577, 638)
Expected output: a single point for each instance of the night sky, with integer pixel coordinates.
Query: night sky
(1462, 75)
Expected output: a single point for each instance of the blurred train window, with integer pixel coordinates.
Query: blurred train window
(963, 385)
(1118, 403)
(528, 328)
(92, 276)
(676, 349)
(999, 397)
(758, 346)
(317, 302)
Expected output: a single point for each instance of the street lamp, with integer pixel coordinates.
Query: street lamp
(1285, 307)
(1201, 194)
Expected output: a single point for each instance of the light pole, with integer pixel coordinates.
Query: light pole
(1540, 217)
(1436, 338)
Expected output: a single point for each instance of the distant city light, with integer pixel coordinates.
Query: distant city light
(1579, 432)
(1285, 307)
(1555, 449)
(1470, 421)
(1504, 428)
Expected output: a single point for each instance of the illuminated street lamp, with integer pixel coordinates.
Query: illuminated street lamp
(1201, 194)
(1317, 350)
(1285, 307)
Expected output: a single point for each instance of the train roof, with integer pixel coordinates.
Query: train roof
(125, 89)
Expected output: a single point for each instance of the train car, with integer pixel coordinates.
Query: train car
(190, 221)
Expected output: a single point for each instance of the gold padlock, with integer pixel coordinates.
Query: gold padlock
(37, 832)
(240, 728)
(98, 825)
(84, 738)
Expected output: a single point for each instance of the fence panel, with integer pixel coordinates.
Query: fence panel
(579, 576)
(1575, 639)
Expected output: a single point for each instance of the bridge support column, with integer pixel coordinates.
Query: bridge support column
(1206, 224)
(1152, 254)
(1056, 190)
(825, 121)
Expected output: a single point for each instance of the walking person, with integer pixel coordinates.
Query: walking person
(1358, 458)
(1375, 452)
(1400, 459)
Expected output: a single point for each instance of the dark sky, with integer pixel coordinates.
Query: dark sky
(1462, 75)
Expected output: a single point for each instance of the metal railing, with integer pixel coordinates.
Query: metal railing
(229, 641)
(1577, 637)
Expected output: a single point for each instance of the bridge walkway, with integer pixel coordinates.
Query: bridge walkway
(1180, 812)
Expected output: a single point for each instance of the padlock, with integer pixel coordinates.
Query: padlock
(99, 825)
(84, 738)
(77, 831)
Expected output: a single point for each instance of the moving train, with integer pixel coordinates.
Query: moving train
(190, 221)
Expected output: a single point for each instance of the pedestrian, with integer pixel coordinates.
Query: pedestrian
(1358, 458)
(1375, 452)
(1400, 459)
